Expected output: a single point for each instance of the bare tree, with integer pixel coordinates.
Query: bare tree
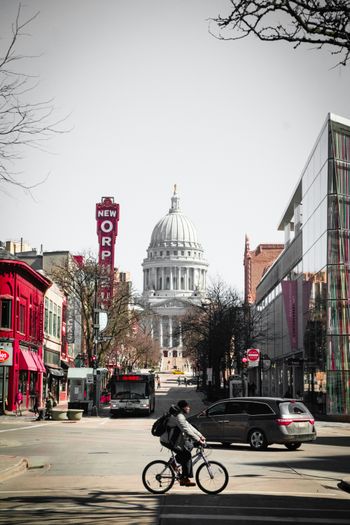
(213, 333)
(316, 22)
(23, 123)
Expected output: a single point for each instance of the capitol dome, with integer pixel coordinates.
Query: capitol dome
(175, 263)
(174, 279)
(175, 229)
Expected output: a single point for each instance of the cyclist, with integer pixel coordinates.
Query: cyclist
(184, 441)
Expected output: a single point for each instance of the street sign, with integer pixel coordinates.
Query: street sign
(253, 354)
(89, 379)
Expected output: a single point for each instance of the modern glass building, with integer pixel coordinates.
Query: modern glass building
(303, 299)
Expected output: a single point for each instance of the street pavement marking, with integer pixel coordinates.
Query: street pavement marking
(104, 421)
(29, 428)
(231, 518)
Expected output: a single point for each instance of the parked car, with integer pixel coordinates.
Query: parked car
(259, 421)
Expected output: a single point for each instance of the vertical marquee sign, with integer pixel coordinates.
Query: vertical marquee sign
(107, 217)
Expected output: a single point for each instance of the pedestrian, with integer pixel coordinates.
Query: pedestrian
(52, 397)
(18, 402)
(179, 380)
(183, 437)
(49, 406)
(36, 403)
(288, 393)
(158, 381)
(185, 380)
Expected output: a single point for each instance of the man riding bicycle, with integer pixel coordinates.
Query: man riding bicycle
(181, 437)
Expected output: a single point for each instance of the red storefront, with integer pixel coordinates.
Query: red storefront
(22, 292)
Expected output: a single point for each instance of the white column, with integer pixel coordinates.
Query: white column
(163, 278)
(170, 332)
(179, 278)
(161, 332)
(171, 277)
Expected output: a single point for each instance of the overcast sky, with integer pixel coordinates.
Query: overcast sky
(154, 100)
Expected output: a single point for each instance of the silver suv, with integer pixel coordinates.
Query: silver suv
(259, 421)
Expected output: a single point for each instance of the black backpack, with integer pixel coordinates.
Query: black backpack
(161, 424)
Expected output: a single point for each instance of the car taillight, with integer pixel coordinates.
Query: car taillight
(283, 422)
(311, 421)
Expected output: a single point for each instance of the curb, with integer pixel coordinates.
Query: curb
(15, 469)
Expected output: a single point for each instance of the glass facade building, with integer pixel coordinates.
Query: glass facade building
(303, 299)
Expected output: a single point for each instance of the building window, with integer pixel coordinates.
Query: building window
(6, 313)
(54, 328)
(175, 253)
(161, 253)
(165, 353)
(22, 319)
(189, 254)
(46, 316)
(59, 318)
(50, 317)
(182, 252)
(174, 353)
(168, 253)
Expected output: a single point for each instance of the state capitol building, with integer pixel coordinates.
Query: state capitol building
(174, 278)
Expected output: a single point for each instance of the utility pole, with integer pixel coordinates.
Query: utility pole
(95, 350)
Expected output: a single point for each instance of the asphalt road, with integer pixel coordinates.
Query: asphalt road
(90, 472)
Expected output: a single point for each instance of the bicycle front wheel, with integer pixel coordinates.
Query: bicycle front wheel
(158, 477)
(212, 477)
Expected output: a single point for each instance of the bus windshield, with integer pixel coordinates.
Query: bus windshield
(129, 390)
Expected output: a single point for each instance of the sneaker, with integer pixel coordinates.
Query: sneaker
(186, 482)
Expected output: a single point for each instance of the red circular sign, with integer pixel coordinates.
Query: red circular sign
(253, 354)
(3, 355)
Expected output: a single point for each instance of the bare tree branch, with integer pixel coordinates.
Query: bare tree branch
(23, 123)
(317, 22)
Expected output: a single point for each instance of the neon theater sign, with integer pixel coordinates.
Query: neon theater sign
(107, 217)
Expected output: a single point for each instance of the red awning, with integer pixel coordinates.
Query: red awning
(26, 361)
(39, 362)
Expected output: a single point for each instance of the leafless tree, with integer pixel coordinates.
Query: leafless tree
(316, 22)
(23, 123)
(213, 333)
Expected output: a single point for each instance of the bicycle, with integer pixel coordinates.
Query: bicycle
(159, 476)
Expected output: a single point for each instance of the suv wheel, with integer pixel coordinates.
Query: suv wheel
(257, 440)
(292, 446)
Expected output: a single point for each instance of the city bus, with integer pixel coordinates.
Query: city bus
(132, 393)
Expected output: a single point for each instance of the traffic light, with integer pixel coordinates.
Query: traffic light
(94, 361)
(245, 362)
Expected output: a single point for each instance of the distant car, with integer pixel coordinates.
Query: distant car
(259, 421)
(177, 372)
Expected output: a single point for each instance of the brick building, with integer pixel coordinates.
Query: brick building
(256, 263)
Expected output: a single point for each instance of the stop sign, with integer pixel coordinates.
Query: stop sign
(253, 354)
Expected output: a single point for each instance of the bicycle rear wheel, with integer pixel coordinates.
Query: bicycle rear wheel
(212, 477)
(158, 477)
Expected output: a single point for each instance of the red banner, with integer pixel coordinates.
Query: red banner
(290, 298)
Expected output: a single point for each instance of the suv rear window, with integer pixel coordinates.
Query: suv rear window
(288, 408)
